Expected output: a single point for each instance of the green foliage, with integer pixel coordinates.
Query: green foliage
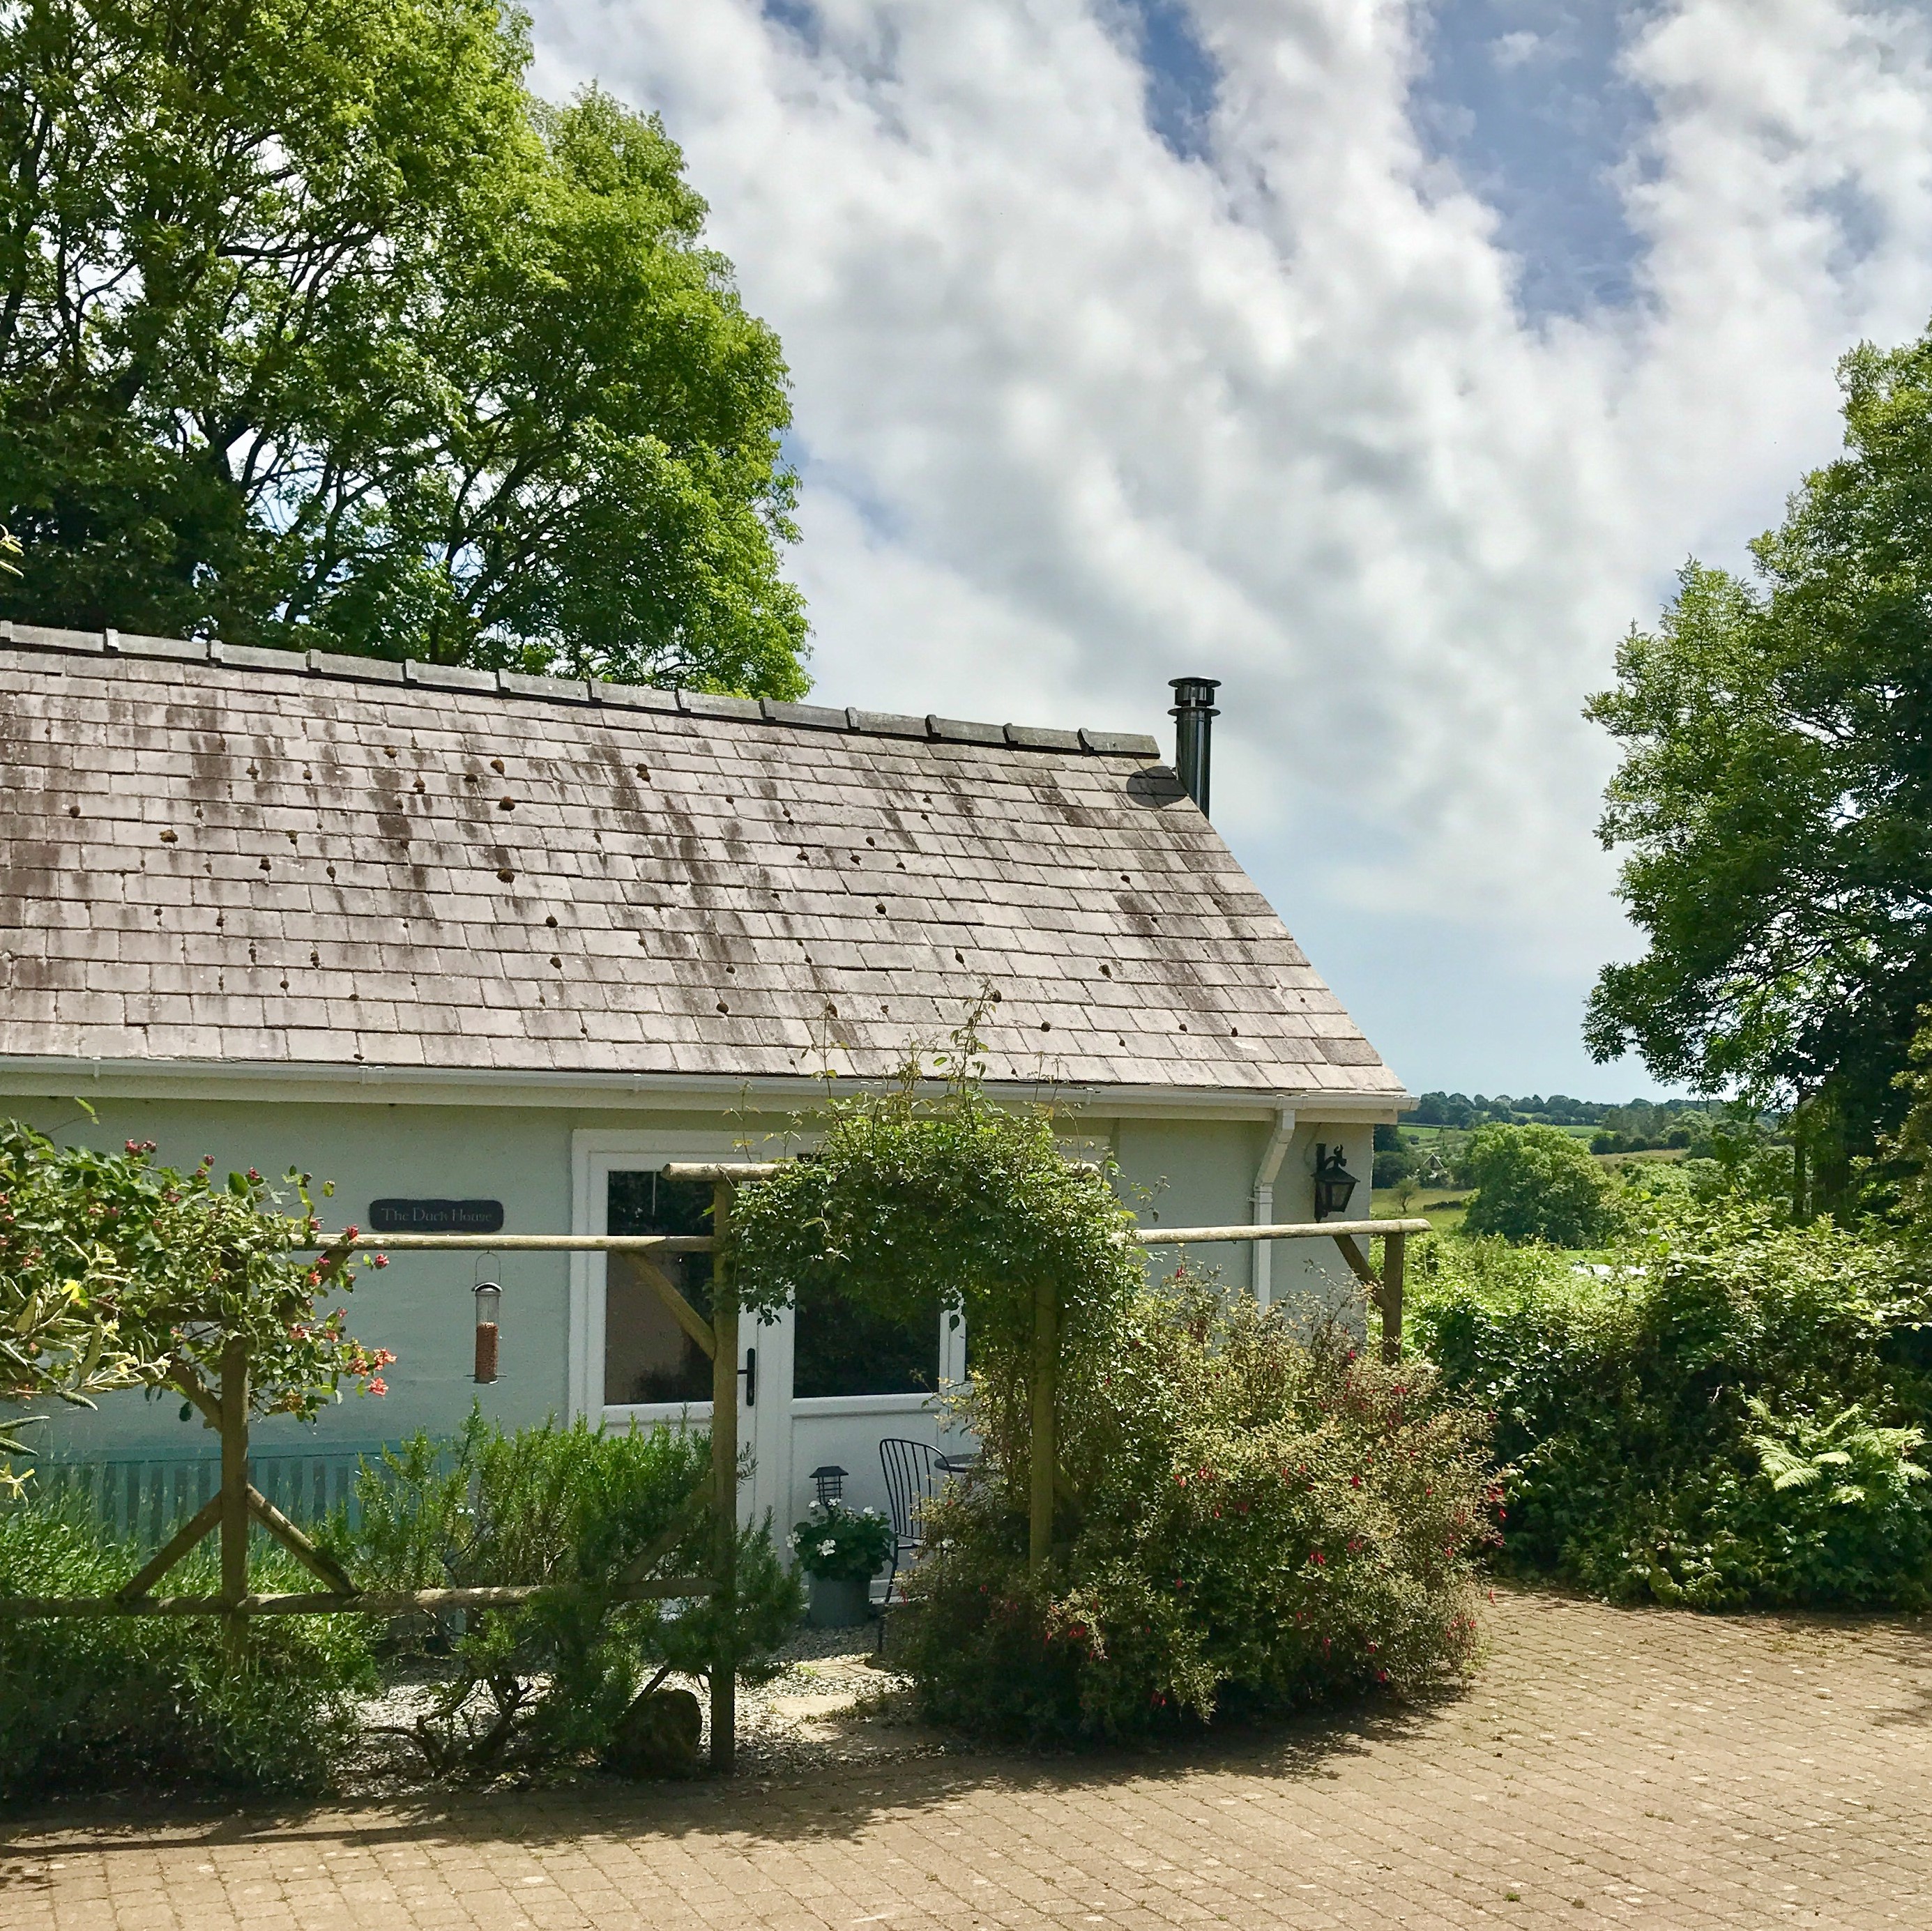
(99, 1702)
(115, 1272)
(1657, 1417)
(546, 1681)
(1774, 800)
(843, 1544)
(908, 1201)
(316, 329)
(1537, 1183)
(1254, 1521)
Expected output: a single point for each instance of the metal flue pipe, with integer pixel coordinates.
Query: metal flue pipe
(1193, 713)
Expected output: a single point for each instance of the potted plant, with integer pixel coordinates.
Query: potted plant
(841, 1550)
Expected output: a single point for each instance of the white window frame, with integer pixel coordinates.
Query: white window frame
(597, 1153)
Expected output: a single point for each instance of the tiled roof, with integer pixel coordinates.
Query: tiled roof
(265, 857)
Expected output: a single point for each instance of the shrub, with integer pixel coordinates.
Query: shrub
(1657, 1417)
(92, 1703)
(1249, 1520)
(547, 1680)
(1538, 1183)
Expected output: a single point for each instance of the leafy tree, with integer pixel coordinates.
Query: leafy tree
(317, 330)
(1537, 1183)
(1774, 800)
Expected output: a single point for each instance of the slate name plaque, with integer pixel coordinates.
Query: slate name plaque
(436, 1216)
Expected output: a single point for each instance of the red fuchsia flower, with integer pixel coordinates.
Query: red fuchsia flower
(379, 1261)
(1354, 1481)
(350, 1233)
(1315, 1555)
(377, 1386)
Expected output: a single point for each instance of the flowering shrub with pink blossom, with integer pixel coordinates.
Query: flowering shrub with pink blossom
(1248, 1520)
(115, 1272)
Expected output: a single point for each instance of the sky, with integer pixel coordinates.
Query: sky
(1385, 361)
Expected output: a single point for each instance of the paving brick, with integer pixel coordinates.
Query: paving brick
(1607, 1766)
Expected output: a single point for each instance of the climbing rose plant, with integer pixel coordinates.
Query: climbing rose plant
(115, 1272)
(913, 1195)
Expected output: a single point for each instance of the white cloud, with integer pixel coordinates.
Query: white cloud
(1080, 415)
(1515, 49)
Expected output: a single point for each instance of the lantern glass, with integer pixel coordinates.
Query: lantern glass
(1334, 1185)
(489, 1304)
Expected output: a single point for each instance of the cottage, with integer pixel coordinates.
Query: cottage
(491, 950)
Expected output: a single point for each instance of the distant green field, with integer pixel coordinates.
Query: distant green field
(1443, 1207)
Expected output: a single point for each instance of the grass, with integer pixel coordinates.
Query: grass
(1442, 1206)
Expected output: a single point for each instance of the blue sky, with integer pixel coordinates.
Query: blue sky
(1384, 359)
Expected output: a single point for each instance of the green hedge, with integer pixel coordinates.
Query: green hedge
(1729, 1413)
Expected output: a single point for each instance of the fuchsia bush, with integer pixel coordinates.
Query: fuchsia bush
(1249, 1521)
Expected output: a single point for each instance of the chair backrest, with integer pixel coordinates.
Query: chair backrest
(913, 1476)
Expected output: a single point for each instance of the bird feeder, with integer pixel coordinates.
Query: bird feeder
(489, 1305)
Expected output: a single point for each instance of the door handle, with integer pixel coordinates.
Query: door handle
(750, 1372)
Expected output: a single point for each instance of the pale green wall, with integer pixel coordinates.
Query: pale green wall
(1197, 1173)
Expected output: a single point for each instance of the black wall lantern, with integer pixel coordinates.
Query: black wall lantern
(1334, 1185)
(830, 1482)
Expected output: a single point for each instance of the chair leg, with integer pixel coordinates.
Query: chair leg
(885, 1608)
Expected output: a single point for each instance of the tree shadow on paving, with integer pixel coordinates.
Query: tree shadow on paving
(833, 1800)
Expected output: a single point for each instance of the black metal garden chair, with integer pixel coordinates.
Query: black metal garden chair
(913, 1471)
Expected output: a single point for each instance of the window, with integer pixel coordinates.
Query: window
(647, 1357)
(839, 1348)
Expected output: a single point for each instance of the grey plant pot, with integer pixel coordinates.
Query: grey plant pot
(838, 1603)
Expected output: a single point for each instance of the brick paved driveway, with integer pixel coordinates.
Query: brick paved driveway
(1645, 1768)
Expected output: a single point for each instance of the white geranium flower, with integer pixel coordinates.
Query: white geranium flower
(828, 1547)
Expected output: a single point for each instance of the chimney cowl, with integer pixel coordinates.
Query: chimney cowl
(1194, 710)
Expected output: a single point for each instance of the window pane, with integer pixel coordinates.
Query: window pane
(647, 1357)
(841, 1348)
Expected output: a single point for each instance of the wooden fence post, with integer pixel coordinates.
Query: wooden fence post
(1043, 1453)
(1394, 1253)
(724, 1485)
(235, 1488)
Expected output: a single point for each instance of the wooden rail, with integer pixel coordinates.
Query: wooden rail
(1385, 1288)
